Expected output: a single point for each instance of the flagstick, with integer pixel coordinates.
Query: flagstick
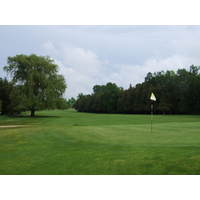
(152, 98)
(151, 115)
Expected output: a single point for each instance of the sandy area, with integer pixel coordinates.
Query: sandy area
(12, 126)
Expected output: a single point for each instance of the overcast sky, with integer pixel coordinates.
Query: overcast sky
(89, 55)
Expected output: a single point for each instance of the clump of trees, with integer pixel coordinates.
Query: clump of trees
(35, 85)
(65, 103)
(177, 93)
(104, 99)
(9, 98)
(70, 102)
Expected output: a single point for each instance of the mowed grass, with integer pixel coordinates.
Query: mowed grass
(68, 142)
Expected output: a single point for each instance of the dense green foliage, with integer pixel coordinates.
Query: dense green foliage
(104, 99)
(10, 98)
(69, 142)
(5, 91)
(70, 102)
(65, 103)
(37, 83)
(177, 93)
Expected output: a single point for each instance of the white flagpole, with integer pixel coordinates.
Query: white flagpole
(151, 115)
(152, 98)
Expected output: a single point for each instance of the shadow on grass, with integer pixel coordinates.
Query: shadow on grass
(37, 116)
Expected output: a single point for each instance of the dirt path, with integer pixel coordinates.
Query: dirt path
(13, 126)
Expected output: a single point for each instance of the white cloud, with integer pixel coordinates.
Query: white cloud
(82, 68)
(134, 74)
(90, 55)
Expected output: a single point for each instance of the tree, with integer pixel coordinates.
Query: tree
(103, 100)
(9, 98)
(71, 102)
(38, 80)
(5, 91)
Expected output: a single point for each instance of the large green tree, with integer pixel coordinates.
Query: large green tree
(37, 77)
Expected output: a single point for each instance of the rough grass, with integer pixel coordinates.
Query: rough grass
(68, 142)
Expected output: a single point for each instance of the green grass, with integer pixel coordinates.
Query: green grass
(68, 142)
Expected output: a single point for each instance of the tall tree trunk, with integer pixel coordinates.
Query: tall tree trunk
(32, 113)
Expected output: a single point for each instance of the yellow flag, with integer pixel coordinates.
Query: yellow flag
(152, 97)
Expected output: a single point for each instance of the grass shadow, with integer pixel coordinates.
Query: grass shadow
(37, 116)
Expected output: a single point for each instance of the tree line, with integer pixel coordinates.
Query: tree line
(177, 92)
(34, 84)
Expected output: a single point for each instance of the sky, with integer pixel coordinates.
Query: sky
(90, 55)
